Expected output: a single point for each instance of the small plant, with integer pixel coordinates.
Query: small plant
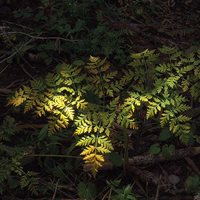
(80, 26)
(192, 184)
(155, 149)
(87, 191)
(124, 193)
(94, 97)
(165, 150)
(11, 157)
(165, 135)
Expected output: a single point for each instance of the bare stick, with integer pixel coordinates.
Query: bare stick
(40, 37)
(55, 191)
(15, 52)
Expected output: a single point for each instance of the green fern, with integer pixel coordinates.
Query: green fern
(94, 97)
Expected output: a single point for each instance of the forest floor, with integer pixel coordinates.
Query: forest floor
(170, 23)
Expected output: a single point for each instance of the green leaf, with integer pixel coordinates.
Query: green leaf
(116, 159)
(78, 26)
(124, 193)
(165, 134)
(168, 150)
(43, 133)
(192, 184)
(154, 149)
(87, 191)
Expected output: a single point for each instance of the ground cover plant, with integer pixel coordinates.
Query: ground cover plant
(99, 100)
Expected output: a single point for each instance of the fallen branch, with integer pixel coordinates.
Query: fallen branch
(41, 37)
(30, 126)
(151, 159)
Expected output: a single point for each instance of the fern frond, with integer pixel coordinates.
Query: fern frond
(153, 109)
(87, 140)
(93, 97)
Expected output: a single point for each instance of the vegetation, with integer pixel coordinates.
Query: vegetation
(78, 99)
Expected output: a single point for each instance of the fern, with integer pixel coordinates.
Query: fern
(167, 99)
(56, 97)
(7, 129)
(97, 127)
(157, 85)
